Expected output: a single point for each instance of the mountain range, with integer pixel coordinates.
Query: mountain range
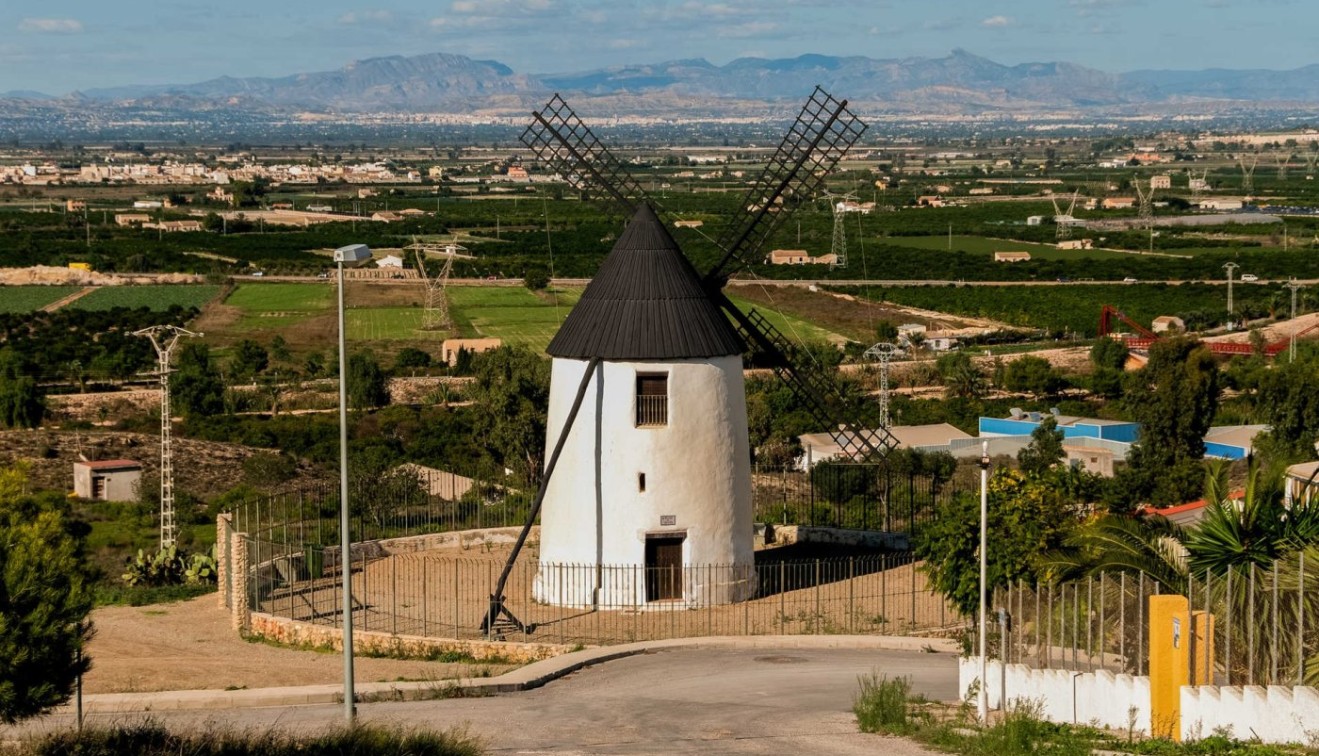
(958, 82)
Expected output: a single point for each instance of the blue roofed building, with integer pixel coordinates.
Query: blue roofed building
(1020, 423)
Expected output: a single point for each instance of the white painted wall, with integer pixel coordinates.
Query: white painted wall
(1276, 714)
(1068, 697)
(697, 469)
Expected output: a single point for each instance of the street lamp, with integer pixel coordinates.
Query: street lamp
(983, 702)
(353, 254)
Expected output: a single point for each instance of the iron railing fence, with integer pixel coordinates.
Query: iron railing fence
(1265, 623)
(435, 595)
(415, 501)
(652, 410)
(855, 496)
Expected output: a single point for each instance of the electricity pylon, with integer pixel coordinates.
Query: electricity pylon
(164, 338)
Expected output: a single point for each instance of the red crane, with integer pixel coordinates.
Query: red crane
(1147, 337)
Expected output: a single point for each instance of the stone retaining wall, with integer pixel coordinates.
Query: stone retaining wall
(302, 634)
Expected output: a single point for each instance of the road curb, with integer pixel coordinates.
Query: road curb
(529, 677)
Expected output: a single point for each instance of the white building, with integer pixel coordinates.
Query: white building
(390, 261)
(107, 479)
(654, 479)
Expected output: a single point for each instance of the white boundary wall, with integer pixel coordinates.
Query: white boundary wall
(1277, 714)
(1099, 697)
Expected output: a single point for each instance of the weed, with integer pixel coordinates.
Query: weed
(883, 705)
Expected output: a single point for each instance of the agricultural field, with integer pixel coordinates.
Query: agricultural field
(795, 327)
(1075, 308)
(21, 299)
(266, 305)
(159, 297)
(511, 313)
(987, 246)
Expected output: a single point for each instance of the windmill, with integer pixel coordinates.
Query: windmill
(1064, 221)
(436, 315)
(652, 334)
(165, 338)
(838, 249)
(1248, 173)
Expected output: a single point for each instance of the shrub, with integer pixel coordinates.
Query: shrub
(170, 566)
(883, 705)
(152, 739)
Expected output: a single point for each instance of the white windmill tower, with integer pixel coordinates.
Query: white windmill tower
(655, 473)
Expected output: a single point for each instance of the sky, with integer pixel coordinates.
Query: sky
(60, 46)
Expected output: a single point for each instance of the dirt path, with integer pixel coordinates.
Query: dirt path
(189, 645)
(75, 296)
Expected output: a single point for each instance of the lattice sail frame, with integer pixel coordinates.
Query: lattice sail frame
(561, 139)
(817, 140)
(823, 132)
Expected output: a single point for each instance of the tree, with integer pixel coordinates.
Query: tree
(1028, 516)
(249, 360)
(367, 384)
(1174, 398)
(1033, 375)
(886, 330)
(22, 402)
(537, 278)
(411, 357)
(512, 388)
(195, 389)
(1044, 450)
(45, 597)
(1108, 354)
(1288, 400)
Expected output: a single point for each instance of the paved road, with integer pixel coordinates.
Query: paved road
(710, 701)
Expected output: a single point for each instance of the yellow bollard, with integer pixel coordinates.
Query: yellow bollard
(1170, 662)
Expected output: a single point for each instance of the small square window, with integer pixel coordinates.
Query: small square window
(652, 400)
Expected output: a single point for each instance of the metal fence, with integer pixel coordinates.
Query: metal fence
(856, 496)
(438, 595)
(415, 500)
(1265, 623)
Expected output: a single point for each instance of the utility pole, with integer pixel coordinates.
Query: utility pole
(1229, 267)
(164, 338)
(1295, 286)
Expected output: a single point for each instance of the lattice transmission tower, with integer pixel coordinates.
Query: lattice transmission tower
(883, 353)
(165, 338)
(436, 315)
(1248, 173)
(838, 248)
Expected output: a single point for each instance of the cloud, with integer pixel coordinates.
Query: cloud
(996, 22)
(352, 18)
(50, 26)
(748, 29)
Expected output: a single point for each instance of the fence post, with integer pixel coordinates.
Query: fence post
(1250, 625)
(819, 618)
(1273, 645)
(851, 595)
(783, 591)
(1300, 619)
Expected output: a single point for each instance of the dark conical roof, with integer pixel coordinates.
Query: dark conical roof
(645, 303)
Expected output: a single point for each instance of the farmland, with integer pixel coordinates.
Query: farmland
(514, 314)
(985, 246)
(21, 299)
(1075, 309)
(159, 297)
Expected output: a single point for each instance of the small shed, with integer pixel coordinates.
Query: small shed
(107, 479)
(390, 261)
(1011, 257)
(1168, 324)
(449, 349)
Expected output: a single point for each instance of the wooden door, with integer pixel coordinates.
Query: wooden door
(664, 568)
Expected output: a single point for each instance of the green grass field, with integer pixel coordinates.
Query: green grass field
(389, 324)
(272, 305)
(20, 299)
(511, 313)
(793, 327)
(156, 297)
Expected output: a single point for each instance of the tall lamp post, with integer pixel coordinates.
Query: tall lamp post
(353, 254)
(983, 702)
